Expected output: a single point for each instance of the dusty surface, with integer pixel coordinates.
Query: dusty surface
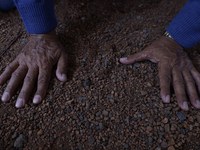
(104, 104)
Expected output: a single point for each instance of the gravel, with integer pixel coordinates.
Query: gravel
(104, 104)
(136, 64)
(181, 116)
(91, 140)
(87, 82)
(20, 141)
(81, 117)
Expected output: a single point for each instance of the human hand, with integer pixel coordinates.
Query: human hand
(34, 64)
(174, 66)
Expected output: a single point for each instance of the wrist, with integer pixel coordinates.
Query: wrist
(167, 35)
(51, 34)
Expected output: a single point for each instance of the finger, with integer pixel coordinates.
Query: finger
(8, 71)
(135, 57)
(27, 88)
(61, 71)
(179, 88)
(196, 76)
(191, 89)
(43, 82)
(16, 78)
(165, 80)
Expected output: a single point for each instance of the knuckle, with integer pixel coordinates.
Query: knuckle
(165, 78)
(22, 94)
(29, 79)
(179, 82)
(189, 81)
(43, 80)
(15, 74)
(45, 67)
(8, 88)
(8, 68)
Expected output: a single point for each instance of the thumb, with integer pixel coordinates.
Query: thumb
(135, 57)
(61, 71)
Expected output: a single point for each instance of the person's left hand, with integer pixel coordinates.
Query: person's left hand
(34, 65)
(174, 66)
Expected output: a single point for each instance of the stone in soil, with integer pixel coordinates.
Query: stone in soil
(171, 142)
(171, 148)
(40, 132)
(91, 140)
(101, 126)
(20, 141)
(198, 118)
(14, 135)
(166, 127)
(87, 124)
(181, 116)
(165, 120)
(81, 117)
(105, 113)
(136, 64)
(128, 119)
(164, 145)
(158, 148)
(126, 146)
(87, 83)
(149, 128)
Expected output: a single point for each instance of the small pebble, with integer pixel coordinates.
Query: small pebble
(20, 141)
(105, 113)
(40, 132)
(149, 128)
(87, 83)
(198, 118)
(171, 148)
(107, 62)
(81, 98)
(166, 127)
(101, 126)
(158, 148)
(87, 124)
(136, 64)
(181, 116)
(91, 140)
(126, 146)
(164, 145)
(128, 120)
(80, 117)
(14, 135)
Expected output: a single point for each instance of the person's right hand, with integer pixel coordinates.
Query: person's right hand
(34, 65)
(174, 67)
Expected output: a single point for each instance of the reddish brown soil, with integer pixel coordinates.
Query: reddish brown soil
(120, 108)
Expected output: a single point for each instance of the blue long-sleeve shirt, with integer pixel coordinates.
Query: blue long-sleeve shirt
(185, 27)
(39, 17)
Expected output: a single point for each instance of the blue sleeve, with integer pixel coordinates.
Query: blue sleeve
(38, 15)
(185, 27)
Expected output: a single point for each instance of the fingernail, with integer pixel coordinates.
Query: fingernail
(185, 106)
(37, 99)
(123, 59)
(198, 103)
(167, 99)
(64, 76)
(19, 103)
(5, 97)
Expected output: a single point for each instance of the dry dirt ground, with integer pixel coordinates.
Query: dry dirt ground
(104, 104)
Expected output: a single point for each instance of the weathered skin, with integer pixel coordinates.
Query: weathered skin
(34, 64)
(174, 67)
